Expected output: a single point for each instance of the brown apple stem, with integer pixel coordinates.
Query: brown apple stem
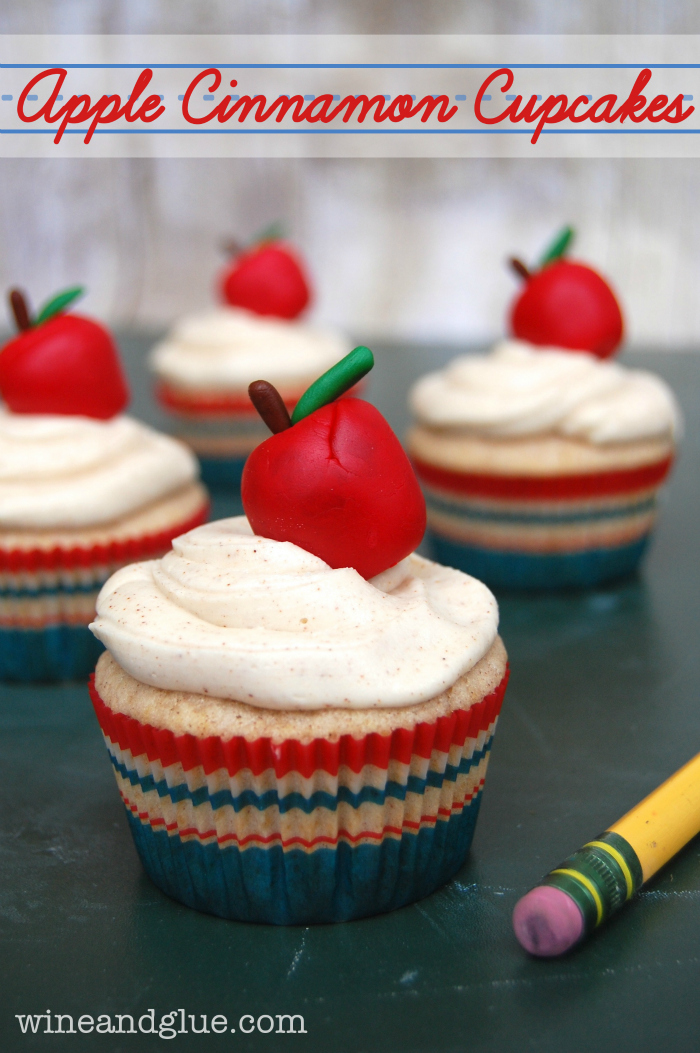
(232, 247)
(20, 310)
(270, 405)
(519, 267)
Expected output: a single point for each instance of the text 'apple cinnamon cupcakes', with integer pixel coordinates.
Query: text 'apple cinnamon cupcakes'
(300, 718)
(83, 489)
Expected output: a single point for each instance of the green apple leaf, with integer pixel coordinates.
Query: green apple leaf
(58, 303)
(334, 382)
(273, 232)
(558, 247)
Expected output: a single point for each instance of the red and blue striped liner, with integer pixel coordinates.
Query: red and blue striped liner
(47, 600)
(222, 428)
(529, 532)
(303, 832)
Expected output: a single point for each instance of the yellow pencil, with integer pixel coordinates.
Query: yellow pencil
(589, 886)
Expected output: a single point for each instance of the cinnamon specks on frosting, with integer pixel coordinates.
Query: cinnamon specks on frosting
(249, 618)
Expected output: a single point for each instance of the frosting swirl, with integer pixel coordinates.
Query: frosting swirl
(232, 615)
(230, 347)
(520, 390)
(66, 471)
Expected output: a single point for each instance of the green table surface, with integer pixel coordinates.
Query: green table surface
(602, 706)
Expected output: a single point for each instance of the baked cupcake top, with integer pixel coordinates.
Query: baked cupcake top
(233, 615)
(68, 471)
(521, 390)
(229, 347)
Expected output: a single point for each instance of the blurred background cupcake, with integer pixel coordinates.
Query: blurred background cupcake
(83, 489)
(541, 461)
(205, 364)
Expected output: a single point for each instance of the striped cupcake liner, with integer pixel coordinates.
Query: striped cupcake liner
(299, 833)
(526, 533)
(222, 430)
(48, 596)
(222, 448)
(222, 474)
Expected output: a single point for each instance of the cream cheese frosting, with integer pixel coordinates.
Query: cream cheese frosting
(68, 471)
(232, 615)
(520, 390)
(230, 347)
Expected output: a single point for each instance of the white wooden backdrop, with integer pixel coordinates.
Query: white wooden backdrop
(407, 249)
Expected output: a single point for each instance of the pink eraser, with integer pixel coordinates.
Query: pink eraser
(547, 922)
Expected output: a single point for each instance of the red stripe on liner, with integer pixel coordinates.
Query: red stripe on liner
(116, 552)
(276, 838)
(239, 754)
(191, 402)
(543, 488)
(239, 404)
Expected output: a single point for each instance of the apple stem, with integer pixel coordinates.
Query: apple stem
(232, 247)
(18, 303)
(270, 405)
(519, 267)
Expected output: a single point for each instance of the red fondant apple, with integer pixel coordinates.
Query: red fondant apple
(338, 484)
(63, 364)
(567, 304)
(268, 280)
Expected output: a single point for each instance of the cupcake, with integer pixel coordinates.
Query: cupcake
(204, 366)
(83, 490)
(300, 724)
(541, 464)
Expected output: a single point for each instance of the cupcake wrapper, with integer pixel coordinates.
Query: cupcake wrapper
(194, 404)
(296, 833)
(222, 473)
(114, 554)
(521, 532)
(57, 652)
(517, 570)
(221, 429)
(233, 407)
(47, 600)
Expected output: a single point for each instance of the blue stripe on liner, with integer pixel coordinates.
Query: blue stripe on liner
(520, 570)
(468, 511)
(57, 652)
(294, 887)
(72, 589)
(222, 473)
(318, 799)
